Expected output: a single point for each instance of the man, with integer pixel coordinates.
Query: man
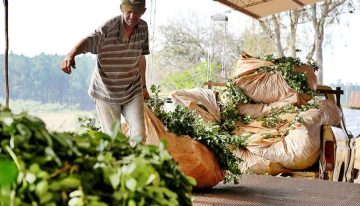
(118, 83)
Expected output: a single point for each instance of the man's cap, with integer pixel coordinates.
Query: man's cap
(133, 5)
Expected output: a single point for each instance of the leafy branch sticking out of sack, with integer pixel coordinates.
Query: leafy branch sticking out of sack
(184, 122)
(286, 66)
(273, 120)
(234, 95)
(230, 115)
(228, 109)
(84, 169)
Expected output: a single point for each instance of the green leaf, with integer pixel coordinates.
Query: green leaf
(114, 180)
(34, 168)
(8, 172)
(41, 188)
(131, 184)
(131, 202)
(70, 182)
(76, 201)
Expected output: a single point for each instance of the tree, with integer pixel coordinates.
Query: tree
(321, 16)
(283, 28)
(40, 79)
(255, 42)
(185, 44)
(189, 78)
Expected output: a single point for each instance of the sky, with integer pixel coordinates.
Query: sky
(55, 26)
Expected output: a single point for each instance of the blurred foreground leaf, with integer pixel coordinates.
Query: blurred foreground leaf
(8, 172)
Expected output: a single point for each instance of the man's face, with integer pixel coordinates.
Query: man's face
(132, 18)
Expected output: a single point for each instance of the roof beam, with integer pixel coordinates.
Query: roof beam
(298, 2)
(250, 3)
(236, 7)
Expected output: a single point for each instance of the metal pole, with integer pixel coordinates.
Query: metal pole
(223, 70)
(150, 63)
(210, 51)
(223, 19)
(6, 56)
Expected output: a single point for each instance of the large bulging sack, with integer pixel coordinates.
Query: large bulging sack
(255, 110)
(194, 159)
(310, 75)
(256, 164)
(248, 65)
(268, 88)
(202, 101)
(297, 150)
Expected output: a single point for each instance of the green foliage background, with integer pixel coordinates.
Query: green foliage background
(40, 79)
(190, 78)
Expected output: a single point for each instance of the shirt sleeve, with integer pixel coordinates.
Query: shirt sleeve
(94, 40)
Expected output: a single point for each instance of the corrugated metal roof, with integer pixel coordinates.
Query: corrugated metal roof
(262, 8)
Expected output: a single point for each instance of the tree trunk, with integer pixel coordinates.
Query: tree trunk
(6, 55)
(320, 14)
(319, 26)
(294, 18)
(277, 32)
(274, 35)
(311, 53)
(319, 60)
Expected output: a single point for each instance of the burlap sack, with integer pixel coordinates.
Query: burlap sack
(310, 75)
(255, 110)
(248, 65)
(268, 88)
(194, 159)
(203, 101)
(258, 165)
(299, 149)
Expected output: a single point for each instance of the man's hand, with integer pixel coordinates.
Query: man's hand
(146, 93)
(69, 60)
(67, 63)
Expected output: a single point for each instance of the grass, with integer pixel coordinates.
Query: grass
(63, 121)
(57, 117)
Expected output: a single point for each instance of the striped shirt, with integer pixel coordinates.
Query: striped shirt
(116, 78)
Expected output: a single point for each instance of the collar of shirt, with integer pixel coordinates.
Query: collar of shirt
(122, 28)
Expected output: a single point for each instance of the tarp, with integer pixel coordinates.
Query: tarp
(291, 145)
(194, 158)
(276, 150)
(287, 149)
(261, 8)
(203, 101)
(265, 87)
(297, 150)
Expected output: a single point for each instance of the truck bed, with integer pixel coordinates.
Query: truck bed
(270, 190)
